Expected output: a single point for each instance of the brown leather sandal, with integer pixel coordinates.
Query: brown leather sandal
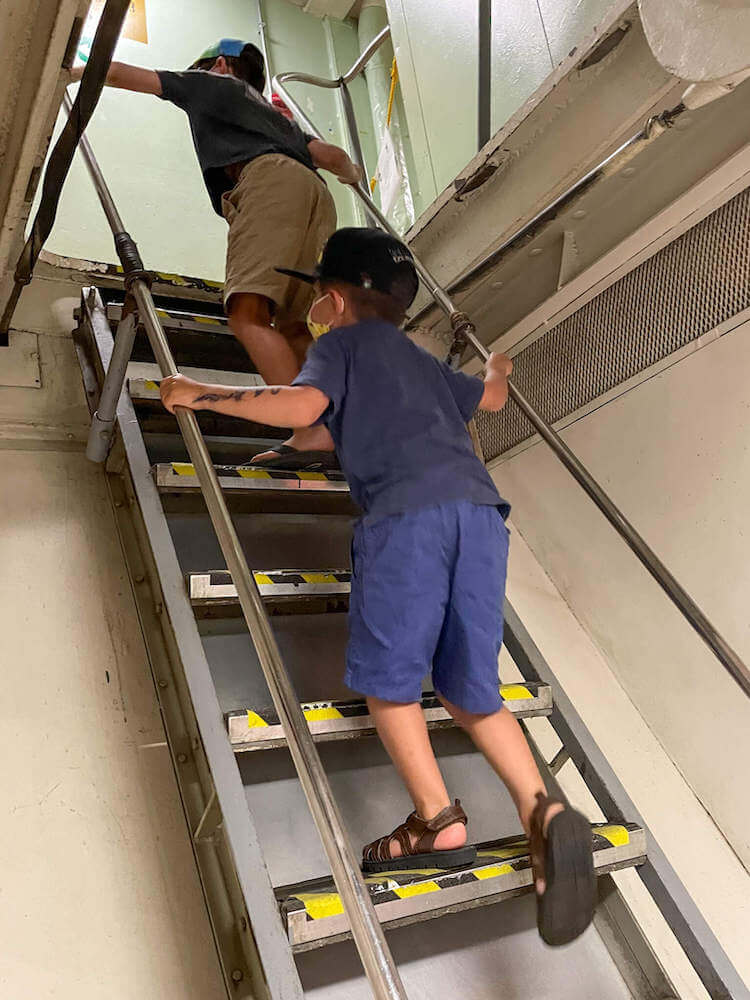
(376, 857)
(564, 858)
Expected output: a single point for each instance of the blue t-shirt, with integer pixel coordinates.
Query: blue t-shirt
(398, 418)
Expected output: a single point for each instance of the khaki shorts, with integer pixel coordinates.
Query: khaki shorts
(280, 214)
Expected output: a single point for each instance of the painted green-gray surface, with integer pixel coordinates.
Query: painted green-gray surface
(373, 19)
(568, 22)
(520, 56)
(144, 144)
(436, 50)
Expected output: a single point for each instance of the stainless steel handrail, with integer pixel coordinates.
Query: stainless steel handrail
(341, 83)
(726, 655)
(366, 930)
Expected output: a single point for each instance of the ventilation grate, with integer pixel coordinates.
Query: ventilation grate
(685, 290)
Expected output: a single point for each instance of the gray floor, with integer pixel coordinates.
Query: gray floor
(492, 953)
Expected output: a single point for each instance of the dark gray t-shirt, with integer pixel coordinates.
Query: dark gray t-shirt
(231, 123)
(398, 418)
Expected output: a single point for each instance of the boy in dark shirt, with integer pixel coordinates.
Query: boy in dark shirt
(429, 559)
(260, 170)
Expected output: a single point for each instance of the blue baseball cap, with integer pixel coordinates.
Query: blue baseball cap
(224, 47)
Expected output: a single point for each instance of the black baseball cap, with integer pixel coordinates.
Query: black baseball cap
(367, 258)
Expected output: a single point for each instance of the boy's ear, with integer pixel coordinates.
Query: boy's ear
(339, 302)
(221, 66)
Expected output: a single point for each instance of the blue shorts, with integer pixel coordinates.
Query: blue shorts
(427, 595)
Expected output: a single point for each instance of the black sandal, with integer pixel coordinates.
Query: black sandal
(376, 857)
(294, 460)
(564, 858)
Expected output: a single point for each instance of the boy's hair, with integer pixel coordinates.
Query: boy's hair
(247, 66)
(367, 303)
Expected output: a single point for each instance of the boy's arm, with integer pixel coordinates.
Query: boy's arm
(495, 395)
(275, 405)
(335, 160)
(125, 77)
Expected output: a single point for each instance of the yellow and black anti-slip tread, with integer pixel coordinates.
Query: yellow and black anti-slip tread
(313, 913)
(284, 592)
(167, 281)
(217, 585)
(178, 319)
(258, 728)
(147, 389)
(181, 477)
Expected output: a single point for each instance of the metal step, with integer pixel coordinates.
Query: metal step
(285, 591)
(252, 490)
(314, 916)
(146, 388)
(195, 339)
(180, 477)
(155, 419)
(260, 729)
(178, 319)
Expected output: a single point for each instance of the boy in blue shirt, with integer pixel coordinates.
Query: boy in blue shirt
(429, 558)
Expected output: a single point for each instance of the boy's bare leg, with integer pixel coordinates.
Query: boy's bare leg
(250, 321)
(501, 740)
(403, 732)
(277, 357)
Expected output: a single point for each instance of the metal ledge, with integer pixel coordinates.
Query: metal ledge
(285, 591)
(175, 319)
(313, 914)
(147, 389)
(260, 729)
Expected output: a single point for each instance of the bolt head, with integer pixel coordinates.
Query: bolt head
(238, 975)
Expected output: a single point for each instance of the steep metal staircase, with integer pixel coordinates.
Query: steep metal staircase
(240, 576)
(295, 529)
(273, 902)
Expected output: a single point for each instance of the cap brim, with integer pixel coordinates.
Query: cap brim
(309, 276)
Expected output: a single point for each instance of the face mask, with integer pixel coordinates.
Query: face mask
(315, 328)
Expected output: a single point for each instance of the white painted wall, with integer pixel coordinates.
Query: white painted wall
(709, 869)
(100, 895)
(438, 68)
(673, 453)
